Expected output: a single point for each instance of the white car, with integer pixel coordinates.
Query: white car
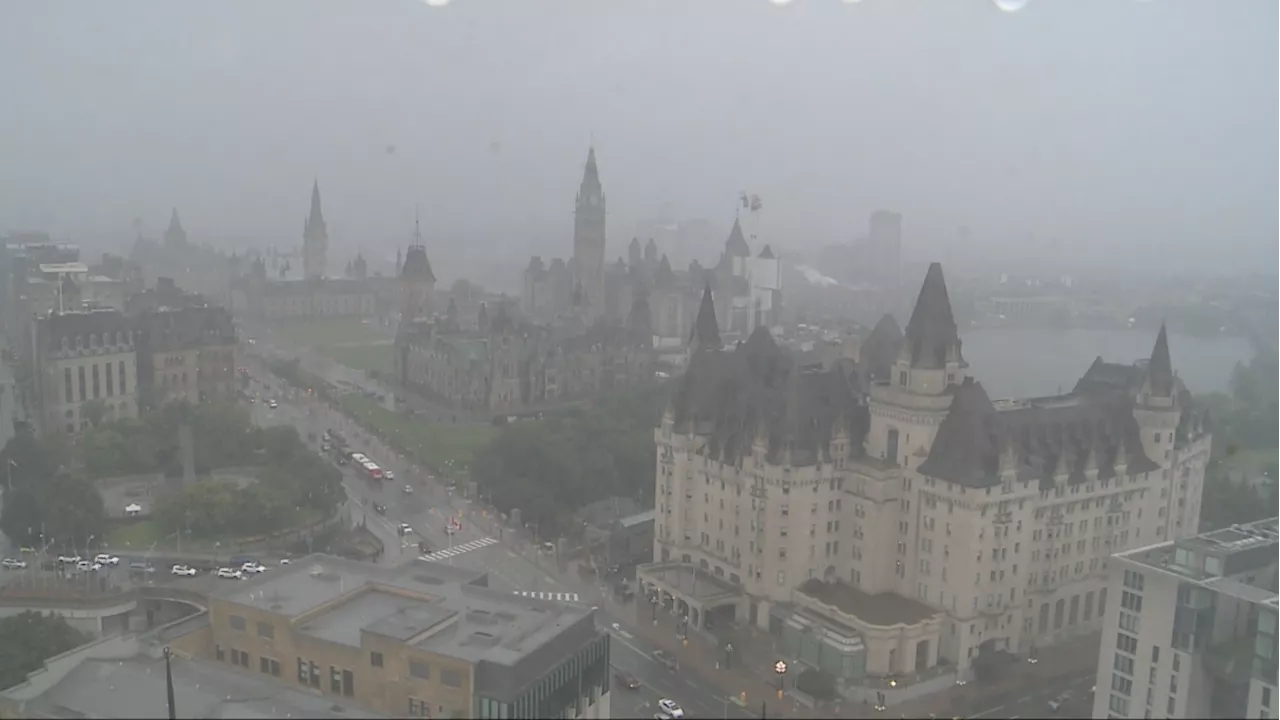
(284, 561)
(182, 571)
(11, 564)
(104, 559)
(273, 405)
(230, 574)
(69, 559)
(670, 707)
(408, 489)
(253, 567)
(405, 528)
(86, 566)
(388, 474)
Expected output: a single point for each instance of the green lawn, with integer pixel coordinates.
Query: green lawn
(329, 331)
(1252, 461)
(363, 357)
(444, 447)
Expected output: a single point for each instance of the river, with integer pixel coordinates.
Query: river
(1026, 362)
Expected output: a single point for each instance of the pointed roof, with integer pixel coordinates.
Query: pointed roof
(736, 245)
(932, 339)
(315, 218)
(965, 451)
(665, 277)
(1160, 369)
(881, 348)
(706, 331)
(175, 235)
(635, 245)
(591, 173)
(416, 264)
(766, 253)
(651, 247)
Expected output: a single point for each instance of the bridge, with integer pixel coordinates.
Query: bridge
(112, 611)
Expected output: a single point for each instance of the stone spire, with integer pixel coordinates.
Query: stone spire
(1160, 368)
(175, 235)
(736, 245)
(932, 339)
(315, 238)
(706, 331)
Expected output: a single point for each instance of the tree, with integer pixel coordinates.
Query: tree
(94, 411)
(28, 639)
(45, 496)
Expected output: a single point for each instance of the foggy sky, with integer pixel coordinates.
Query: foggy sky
(1128, 132)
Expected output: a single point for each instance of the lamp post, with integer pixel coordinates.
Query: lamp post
(168, 683)
(780, 669)
(728, 656)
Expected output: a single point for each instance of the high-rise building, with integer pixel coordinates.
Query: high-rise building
(434, 642)
(1191, 630)
(913, 521)
(589, 241)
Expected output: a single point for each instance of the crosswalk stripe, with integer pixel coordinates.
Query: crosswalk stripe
(561, 597)
(457, 550)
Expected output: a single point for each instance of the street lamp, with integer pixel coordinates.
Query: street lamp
(780, 669)
(728, 656)
(168, 683)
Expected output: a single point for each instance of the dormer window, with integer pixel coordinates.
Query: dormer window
(902, 378)
(79, 342)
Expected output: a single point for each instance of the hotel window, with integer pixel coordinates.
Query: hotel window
(236, 622)
(266, 630)
(219, 653)
(375, 659)
(97, 390)
(66, 383)
(419, 670)
(80, 377)
(451, 678)
(110, 379)
(419, 708)
(335, 680)
(123, 389)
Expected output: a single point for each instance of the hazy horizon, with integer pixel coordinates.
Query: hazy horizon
(1082, 134)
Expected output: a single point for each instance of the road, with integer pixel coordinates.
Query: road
(1033, 702)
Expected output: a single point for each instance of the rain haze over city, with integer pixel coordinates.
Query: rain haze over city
(644, 358)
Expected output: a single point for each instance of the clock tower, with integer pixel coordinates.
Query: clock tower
(588, 239)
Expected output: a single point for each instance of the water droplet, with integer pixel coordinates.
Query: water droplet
(1010, 6)
(780, 2)
(437, 3)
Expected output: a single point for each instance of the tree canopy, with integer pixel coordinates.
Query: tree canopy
(42, 496)
(28, 639)
(291, 479)
(221, 432)
(550, 468)
(1244, 425)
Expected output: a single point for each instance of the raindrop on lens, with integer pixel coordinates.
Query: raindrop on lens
(780, 2)
(1010, 6)
(437, 3)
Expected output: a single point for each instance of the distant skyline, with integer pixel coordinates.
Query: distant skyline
(1086, 134)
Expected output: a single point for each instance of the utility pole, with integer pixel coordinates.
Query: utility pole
(168, 682)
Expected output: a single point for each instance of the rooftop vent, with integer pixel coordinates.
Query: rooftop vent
(481, 617)
(482, 638)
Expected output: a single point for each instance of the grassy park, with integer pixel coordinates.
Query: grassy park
(446, 448)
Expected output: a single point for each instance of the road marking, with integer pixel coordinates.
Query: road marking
(995, 709)
(466, 547)
(560, 597)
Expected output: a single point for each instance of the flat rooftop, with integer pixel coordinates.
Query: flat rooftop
(76, 267)
(432, 607)
(1212, 558)
(883, 609)
(135, 688)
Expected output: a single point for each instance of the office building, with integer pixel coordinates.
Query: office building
(1192, 630)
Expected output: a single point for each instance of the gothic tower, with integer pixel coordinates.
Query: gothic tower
(417, 281)
(315, 239)
(588, 239)
(175, 236)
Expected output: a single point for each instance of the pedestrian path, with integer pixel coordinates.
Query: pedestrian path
(560, 597)
(466, 547)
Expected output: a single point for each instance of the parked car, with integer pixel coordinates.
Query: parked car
(227, 573)
(253, 567)
(12, 564)
(388, 475)
(273, 405)
(380, 508)
(182, 571)
(408, 490)
(104, 559)
(86, 566)
(69, 559)
(405, 528)
(240, 560)
(670, 707)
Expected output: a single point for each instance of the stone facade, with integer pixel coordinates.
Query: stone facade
(937, 523)
(84, 357)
